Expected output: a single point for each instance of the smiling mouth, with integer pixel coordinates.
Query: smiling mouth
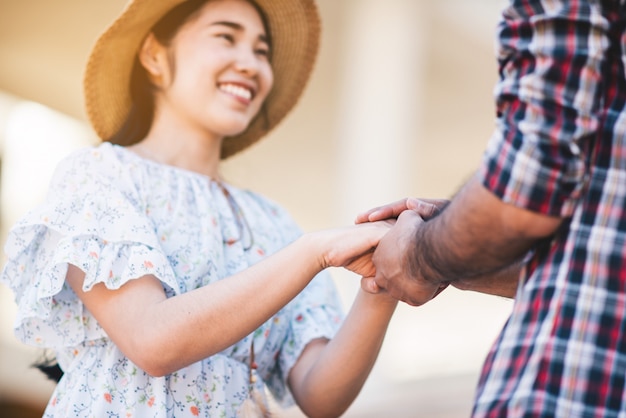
(237, 91)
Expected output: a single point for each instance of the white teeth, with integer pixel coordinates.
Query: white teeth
(236, 91)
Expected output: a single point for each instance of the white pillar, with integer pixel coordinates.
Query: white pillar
(380, 102)
(379, 123)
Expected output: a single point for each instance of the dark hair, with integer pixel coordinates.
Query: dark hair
(48, 365)
(139, 119)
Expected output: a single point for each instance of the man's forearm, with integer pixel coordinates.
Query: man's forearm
(476, 236)
(503, 282)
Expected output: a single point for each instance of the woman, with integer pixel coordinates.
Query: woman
(163, 290)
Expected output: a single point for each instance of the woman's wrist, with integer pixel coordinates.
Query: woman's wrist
(381, 299)
(313, 247)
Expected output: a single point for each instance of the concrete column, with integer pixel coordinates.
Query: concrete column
(380, 102)
(384, 96)
(378, 129)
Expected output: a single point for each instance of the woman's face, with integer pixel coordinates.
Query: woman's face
(218, 71)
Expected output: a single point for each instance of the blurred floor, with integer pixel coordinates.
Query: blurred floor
(437, 397)
(18, 410)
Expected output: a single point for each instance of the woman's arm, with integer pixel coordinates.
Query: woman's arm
(162, 335)
(330, 374)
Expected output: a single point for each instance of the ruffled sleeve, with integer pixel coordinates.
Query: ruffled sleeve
(91, 218)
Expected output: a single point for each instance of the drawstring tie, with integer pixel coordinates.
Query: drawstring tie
(254, 406)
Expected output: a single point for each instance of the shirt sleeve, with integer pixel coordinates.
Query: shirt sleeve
(551, 57)
(89, 221)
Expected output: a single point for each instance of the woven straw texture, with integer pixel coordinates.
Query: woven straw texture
(295, 30)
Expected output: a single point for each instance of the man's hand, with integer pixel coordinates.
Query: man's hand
(426, 208)
(391, 259)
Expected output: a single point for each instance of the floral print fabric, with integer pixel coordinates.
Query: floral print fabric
(118, 217)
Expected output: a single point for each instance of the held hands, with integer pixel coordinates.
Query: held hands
(394, 257)
(380, 249)
(426, 208)
(352, 247)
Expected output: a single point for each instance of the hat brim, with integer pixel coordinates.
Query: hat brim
(295, 31)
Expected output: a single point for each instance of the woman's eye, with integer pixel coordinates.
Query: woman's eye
(227, 36)
(262, 52)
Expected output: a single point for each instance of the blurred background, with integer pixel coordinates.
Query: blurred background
(400, 104)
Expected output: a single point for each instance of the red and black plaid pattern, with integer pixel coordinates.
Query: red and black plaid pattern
(559, 148)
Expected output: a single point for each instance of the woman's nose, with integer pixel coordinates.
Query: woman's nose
(247, 61)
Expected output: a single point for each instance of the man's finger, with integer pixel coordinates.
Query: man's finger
(369, 285)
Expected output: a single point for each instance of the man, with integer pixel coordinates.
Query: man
(543, 219)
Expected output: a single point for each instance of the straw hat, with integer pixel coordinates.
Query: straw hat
(294, 27)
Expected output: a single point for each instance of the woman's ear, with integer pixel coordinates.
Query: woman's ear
(153, 58)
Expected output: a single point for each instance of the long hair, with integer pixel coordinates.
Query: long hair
(139, 119)
(49, 366)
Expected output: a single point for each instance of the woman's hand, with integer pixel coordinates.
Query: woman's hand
(352, 247)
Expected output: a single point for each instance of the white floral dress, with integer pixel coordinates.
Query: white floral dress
(118, 217)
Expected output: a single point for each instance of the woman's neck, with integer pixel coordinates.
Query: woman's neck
(199, 154)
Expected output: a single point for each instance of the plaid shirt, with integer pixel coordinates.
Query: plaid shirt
(560, 149)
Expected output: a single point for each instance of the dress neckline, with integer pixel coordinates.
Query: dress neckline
(173, 168)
